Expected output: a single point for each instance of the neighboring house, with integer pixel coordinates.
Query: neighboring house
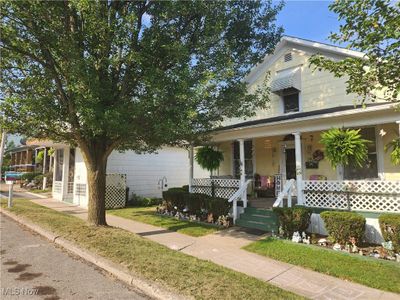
(22, 158)
(278, 149)
(143, 174)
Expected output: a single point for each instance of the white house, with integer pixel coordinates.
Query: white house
(145, 175)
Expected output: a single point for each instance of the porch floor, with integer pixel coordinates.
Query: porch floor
(267, 202)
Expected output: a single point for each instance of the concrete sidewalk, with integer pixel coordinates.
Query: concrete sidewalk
(224, 248)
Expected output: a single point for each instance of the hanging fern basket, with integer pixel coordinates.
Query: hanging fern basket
(345, 147)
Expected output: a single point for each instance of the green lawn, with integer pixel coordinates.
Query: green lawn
(378, 274)
(180, 272)
(147, 215)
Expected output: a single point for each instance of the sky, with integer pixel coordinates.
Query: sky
(308, 19)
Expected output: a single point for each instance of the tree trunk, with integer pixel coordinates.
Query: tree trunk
(96, 176)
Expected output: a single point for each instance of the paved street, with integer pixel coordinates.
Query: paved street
(32, 265)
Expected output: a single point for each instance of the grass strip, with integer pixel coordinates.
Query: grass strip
(148, 215)
(380, 274)
(184, 274)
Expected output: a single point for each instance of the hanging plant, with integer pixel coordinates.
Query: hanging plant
(51, 152)
(345, 147)
(209, 158)
(39, 157)
(394, 145)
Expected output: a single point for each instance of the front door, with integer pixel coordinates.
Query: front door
(290, 164)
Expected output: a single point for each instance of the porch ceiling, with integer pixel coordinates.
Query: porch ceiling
(346, 116)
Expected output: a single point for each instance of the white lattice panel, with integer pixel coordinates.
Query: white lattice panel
(57, 187)
(224, 188)
(362, 195)
(115, 190)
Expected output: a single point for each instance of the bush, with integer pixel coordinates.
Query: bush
(38, 179)
(175, 197)
(218, 207)
(137, 200)
(185, 188)
(293, 219)
(344, 225)
(390, 227)
(29, 176)
(196, 202)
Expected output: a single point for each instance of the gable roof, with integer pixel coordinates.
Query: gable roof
(288, 42)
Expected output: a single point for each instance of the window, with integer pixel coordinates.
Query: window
(59, 164)
(290, 98)
(370, 168)
(248, 159)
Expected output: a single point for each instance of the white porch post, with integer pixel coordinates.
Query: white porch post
(65, 170)
(398, 123)
(299, 166)
(191, 155)
(44, 168)
(242, 170)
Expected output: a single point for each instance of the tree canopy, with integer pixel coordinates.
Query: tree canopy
(105, 75)
(372, 27)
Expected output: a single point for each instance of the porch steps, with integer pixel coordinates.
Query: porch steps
(257, 218)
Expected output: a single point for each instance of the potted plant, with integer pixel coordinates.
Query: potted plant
(210, 159)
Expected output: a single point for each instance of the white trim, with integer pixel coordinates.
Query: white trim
(288, 43)
(380, 160)
(321, 116)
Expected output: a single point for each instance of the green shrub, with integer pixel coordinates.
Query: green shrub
(137, 200)
(344, 225)
(293, 219)
(218, 207)
(185, 188)
(196, 201)
(390, 228)
(29, 176)
(175, 197)
(38, 179)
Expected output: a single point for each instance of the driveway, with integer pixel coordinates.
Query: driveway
(33, 268)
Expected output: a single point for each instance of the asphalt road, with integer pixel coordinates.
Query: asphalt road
(34, 268)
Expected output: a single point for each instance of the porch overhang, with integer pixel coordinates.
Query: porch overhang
(45, 143)
(343, 116)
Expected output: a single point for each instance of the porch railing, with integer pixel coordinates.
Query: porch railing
(289, 189)
(358, 195)
(222, 188)
(241, 193)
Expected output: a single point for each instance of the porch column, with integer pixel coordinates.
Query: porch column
(191, 156)
(398, 123)
(299, 166)
(44, 168)
(65, 170)
(242, 170)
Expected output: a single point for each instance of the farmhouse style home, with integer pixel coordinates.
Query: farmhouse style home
(275, 158)
(128, 173)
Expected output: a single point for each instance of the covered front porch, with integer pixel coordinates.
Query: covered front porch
(284, 164)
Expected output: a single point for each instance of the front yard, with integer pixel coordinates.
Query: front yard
(371, 272)
(182, 273)
(148, 215)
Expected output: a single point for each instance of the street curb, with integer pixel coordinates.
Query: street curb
(149, 289)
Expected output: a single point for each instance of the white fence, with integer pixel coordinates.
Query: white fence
(115, 190)
(358, 195)
(222, 188)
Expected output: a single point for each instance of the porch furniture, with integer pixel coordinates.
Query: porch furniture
(264, 186)
(318, 177)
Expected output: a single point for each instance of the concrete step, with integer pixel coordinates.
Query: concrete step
(259, 211)
(259, 218)
(257, 225)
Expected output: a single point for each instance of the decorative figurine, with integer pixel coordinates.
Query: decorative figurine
(337, 247)
(322, 242)
(296, 238)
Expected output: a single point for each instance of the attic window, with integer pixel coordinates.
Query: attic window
(287, 57)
